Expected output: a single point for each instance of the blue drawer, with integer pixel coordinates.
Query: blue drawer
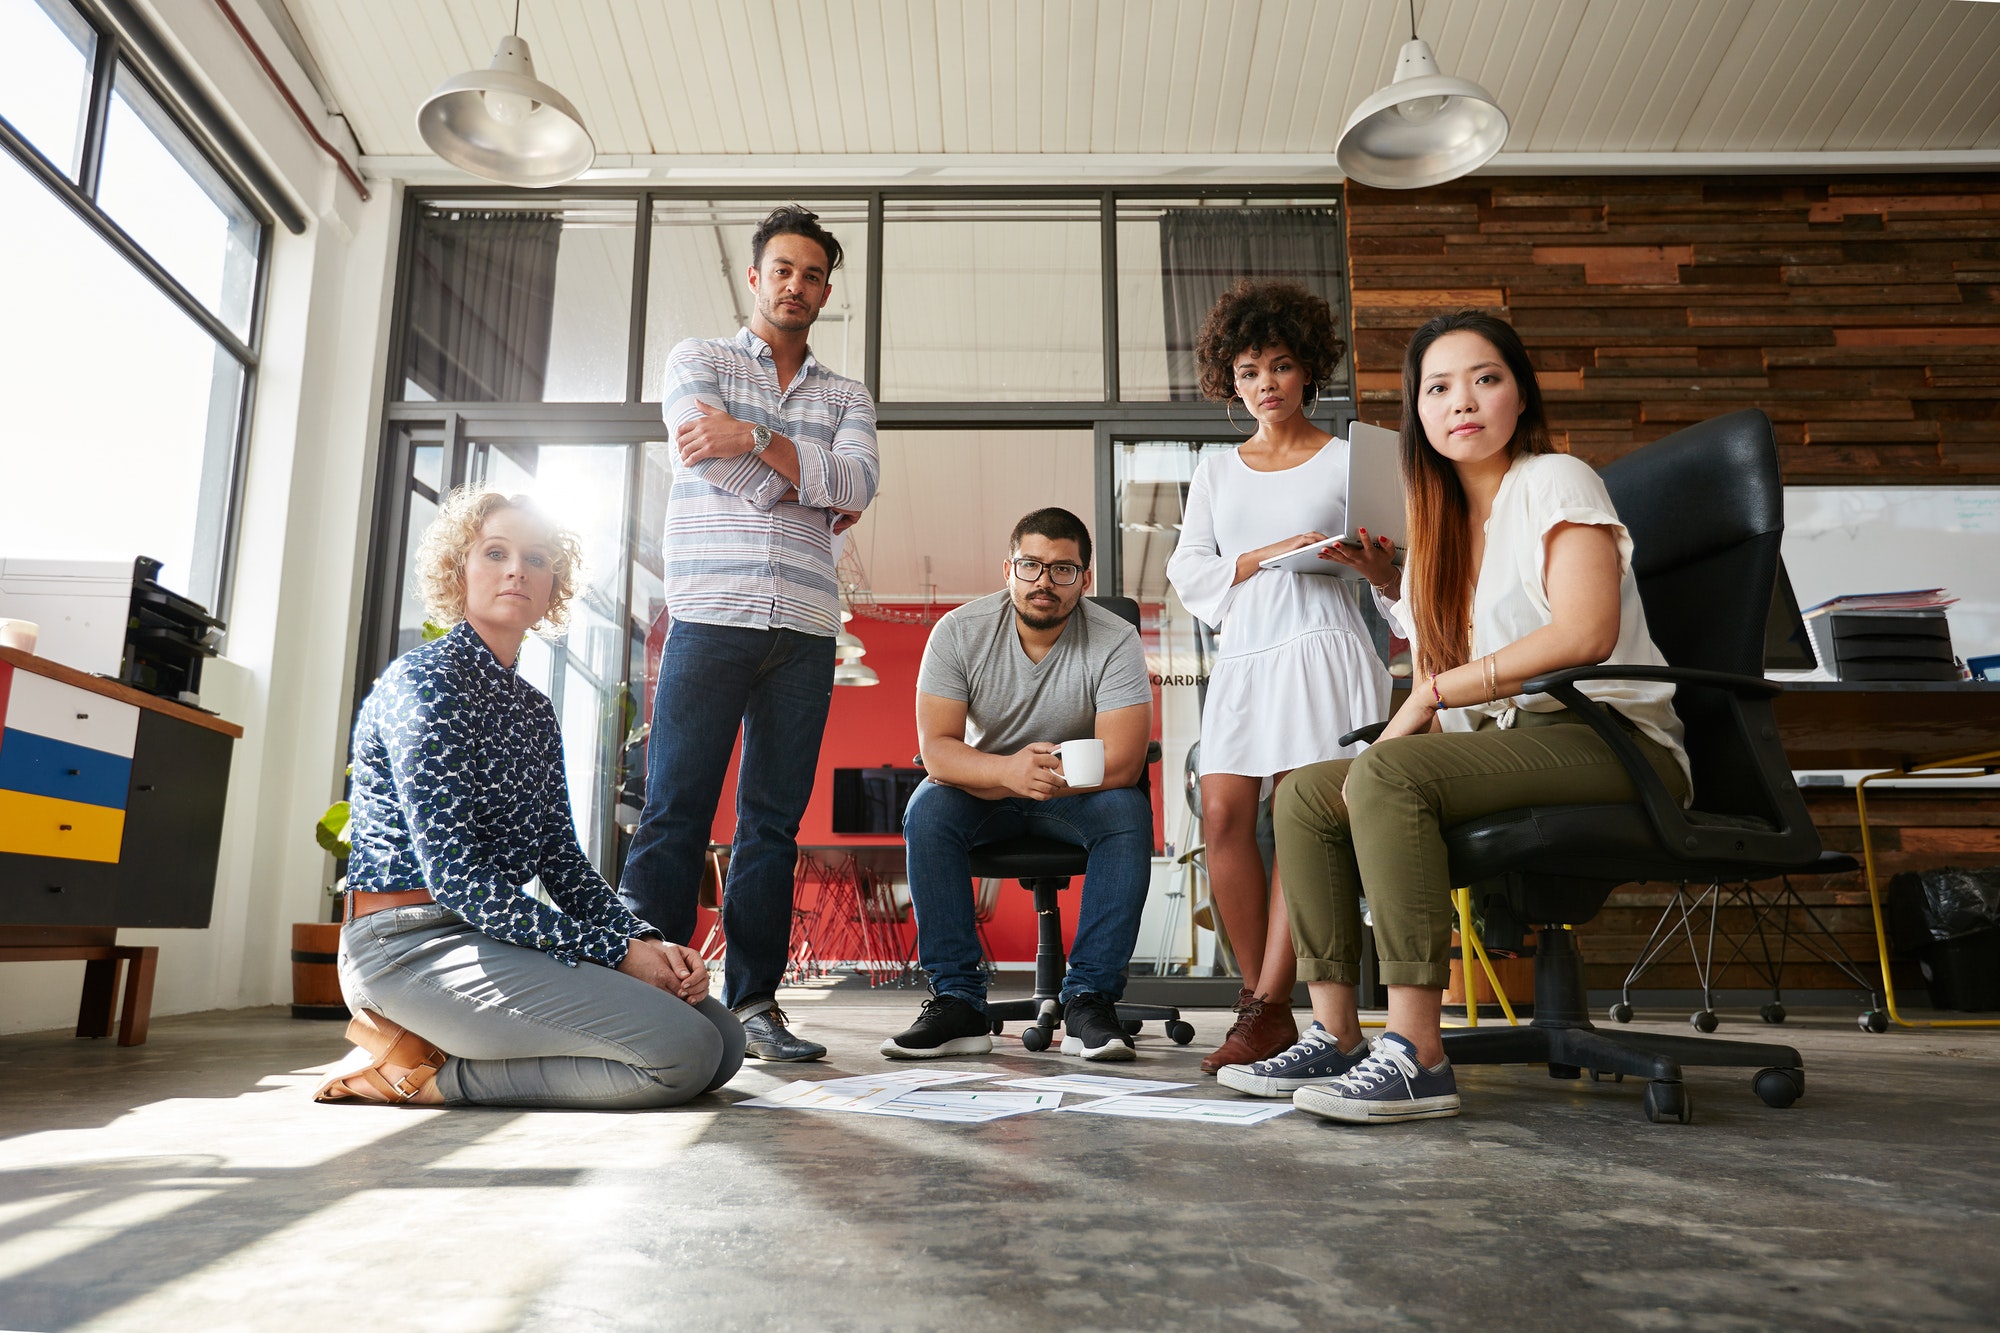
(39, 766)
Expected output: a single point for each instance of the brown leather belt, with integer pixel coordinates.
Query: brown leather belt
(361, 903)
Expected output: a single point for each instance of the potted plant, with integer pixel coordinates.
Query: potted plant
(316, 944)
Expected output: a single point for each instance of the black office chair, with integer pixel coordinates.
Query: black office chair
(1045, 867)
(1705, 508)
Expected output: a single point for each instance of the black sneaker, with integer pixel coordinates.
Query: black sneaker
(1091, 1029)
(1313, 1061)
(1389, 1085)
(947, 1026)
(767, 1038)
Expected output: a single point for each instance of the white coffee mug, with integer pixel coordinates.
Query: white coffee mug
(1082, 762)
(19, 635)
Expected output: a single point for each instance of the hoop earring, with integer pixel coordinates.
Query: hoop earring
(1311, 399)
(1229, 410)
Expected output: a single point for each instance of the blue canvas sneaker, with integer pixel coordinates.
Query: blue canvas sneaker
(1316, 1058)
(1388, 1085)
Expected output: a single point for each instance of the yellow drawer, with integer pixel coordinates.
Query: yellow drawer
(43, 826)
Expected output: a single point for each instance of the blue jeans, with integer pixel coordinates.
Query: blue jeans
(777, 684)
(943, 824)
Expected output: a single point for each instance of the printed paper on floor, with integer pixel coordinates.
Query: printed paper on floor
(1095, 1085)
(1185, 1109)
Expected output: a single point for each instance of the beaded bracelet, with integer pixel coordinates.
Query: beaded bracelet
(1438, 705)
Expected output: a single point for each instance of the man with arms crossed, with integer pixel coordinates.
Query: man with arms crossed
(1005, 679)
(774, 454)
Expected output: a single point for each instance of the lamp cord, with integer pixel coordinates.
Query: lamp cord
(1413, 17)
(517, 18)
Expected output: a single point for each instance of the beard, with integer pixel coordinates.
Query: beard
(788, 320)
(1035, 618)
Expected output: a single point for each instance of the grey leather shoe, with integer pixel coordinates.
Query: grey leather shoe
(767, 1038)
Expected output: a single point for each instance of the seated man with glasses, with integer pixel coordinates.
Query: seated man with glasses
(1005, 680)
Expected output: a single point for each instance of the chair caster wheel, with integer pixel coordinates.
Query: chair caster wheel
(1704, 1021)
(1874, 1021)
(1779, 1087)
(997, 1027)
(1565, 1071)
(1179, 1033)
(1773, 1012)
(1035, 1038)
(1666, 1101)
(1132, 1026)
(1621, 1012)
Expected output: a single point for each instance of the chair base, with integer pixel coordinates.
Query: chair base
(1043, 1011)
(1563, 1038)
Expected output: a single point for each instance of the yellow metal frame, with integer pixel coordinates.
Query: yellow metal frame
(1971, 765)
(1461, 900)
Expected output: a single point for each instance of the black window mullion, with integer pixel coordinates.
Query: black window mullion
(90, 154)
(635, 336)
(1108, 261)
(871, 372)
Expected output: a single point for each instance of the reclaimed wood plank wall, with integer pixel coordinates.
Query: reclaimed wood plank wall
(1862, 313)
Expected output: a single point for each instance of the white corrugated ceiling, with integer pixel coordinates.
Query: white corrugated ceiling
(922, 78)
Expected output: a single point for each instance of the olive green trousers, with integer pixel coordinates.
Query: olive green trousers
(1373, 826)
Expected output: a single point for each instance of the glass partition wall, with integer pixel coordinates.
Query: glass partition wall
(1024, 347)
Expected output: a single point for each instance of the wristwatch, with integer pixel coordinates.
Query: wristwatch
(761, 435)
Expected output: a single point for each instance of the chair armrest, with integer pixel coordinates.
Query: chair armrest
(1364, 735)
(1746, 686)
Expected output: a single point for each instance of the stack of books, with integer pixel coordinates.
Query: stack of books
(1884, 636)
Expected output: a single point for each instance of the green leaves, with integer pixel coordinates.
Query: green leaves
(331, 830)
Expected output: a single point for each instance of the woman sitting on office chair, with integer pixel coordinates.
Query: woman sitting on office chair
(459, 800)
(1297, 667)
(1517, 565)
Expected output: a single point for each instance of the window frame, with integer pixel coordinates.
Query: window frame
(124, 43)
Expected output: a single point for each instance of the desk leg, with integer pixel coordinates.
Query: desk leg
(137, 1011)
(1977, 764)
(100, 986)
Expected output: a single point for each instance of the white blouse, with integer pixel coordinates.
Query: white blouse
(1511, 599)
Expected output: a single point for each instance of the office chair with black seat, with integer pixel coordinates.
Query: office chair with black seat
(1045, 867)
(1705, 510)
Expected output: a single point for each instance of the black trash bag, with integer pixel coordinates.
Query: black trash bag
(1948, 903)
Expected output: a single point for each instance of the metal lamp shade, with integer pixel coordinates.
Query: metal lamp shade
(1425, 128)
(503, 124)
(847, 647)
(853, 673)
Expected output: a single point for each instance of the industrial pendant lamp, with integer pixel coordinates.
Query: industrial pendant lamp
(504, 124)
(1425, 128)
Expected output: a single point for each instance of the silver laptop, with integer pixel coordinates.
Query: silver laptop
(1374, 502)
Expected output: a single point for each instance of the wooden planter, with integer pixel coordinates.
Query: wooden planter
(315, 983)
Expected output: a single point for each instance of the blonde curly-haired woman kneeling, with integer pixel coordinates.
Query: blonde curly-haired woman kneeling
(459, 801)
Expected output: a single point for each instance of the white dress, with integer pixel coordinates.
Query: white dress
(1296, 667)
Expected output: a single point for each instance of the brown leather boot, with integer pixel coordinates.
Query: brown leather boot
(1262, 1029)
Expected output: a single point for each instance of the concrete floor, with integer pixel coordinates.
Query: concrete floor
(189, 1183)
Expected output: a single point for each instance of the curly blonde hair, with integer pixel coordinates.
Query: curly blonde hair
(451, 536)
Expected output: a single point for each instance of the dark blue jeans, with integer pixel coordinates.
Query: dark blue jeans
(777, 685)
(943, 824)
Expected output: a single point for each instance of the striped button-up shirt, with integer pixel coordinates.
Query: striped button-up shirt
(736, 551)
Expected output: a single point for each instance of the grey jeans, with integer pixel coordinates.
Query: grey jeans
(524, 1029)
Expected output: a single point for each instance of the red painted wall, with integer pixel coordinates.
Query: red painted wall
(867, 727)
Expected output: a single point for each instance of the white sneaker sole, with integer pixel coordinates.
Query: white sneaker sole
(1362, 1111)
(980, 1045)
(1114, 1050)
(1240, 1078)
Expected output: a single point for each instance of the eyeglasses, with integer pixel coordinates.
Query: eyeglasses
(1062, 573)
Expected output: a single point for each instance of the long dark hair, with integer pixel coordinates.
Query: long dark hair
(1439, 574)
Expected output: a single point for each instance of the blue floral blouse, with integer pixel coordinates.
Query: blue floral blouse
(458, 788)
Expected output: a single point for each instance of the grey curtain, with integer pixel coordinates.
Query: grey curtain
(1205, 251)
(481, 303)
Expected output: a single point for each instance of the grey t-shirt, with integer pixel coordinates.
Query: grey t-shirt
(975, 655)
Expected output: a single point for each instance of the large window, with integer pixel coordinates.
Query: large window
(1025, 348)
(128, 332)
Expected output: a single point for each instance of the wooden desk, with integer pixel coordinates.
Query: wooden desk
(1886, 724)
(111, 805)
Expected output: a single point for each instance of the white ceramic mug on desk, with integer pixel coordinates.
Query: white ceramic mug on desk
(20, 635)
(1082, 762)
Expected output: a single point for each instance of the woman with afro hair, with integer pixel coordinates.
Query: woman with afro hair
(1297, 667)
